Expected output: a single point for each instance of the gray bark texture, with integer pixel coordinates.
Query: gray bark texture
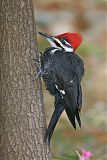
(22, 117)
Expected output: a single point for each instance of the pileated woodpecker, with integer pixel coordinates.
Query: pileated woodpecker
(62, 71)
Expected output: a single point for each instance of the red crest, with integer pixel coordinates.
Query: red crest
(74, 39)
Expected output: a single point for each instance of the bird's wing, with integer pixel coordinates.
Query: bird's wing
(71, 102)
(79, 97)
(78, 66)
(65, 72)
(68, 83)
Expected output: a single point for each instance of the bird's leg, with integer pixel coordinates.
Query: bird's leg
(39, 73)
(38, 61)
(54, 119)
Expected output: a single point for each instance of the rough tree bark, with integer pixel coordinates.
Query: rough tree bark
(22, 119)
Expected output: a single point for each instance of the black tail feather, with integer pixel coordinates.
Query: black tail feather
(70, 109)
(78, 118)
(54, 119)
(71, 116)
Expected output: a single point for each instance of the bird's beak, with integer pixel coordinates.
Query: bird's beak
(52, 40)
(47, 36)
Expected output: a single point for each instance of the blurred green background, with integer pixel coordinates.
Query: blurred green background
(89, 18)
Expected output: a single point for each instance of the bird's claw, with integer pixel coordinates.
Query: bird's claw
(39, 69)
(38, 63)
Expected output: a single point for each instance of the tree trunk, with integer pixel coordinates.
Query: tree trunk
(22, 119)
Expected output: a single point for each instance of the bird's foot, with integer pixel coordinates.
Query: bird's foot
(38, 63)
(39, 69)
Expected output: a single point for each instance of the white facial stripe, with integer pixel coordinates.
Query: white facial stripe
(68, 49)
(51, 43)
(58, 41)
(67, 43)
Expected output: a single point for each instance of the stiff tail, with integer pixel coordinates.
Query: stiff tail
(78, 118)
(54, 119)
(71, 116)
(70, 109)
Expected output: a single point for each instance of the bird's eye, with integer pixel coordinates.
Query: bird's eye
(64, 42)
